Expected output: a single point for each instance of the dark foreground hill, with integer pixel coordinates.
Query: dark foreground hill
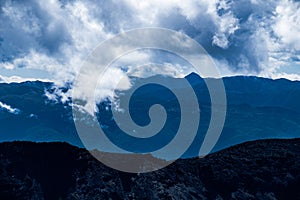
(266, 169)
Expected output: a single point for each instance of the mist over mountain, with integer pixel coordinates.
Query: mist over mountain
(257, 108)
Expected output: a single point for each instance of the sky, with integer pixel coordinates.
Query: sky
(49, 40)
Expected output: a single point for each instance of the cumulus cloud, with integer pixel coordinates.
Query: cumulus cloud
(243, 36)
(287, 25)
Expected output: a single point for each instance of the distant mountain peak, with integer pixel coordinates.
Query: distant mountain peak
(193, 75)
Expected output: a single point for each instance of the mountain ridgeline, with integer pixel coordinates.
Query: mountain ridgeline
(257, 108)
(263, 170)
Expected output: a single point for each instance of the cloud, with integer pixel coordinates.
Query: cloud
(18, 79)
(8, 108)
(48, 35)
(243, 36)
(152, 69)
(30, 25)
(287, 24)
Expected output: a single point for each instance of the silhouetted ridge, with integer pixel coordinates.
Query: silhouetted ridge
(266, 169)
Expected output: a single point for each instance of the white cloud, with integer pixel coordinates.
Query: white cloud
(9, 108)
(287, 25)
(18, 79)
(244, 37)
(227, 26)
(165, 69)
(48, 36)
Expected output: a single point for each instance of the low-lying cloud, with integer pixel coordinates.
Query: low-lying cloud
(9, 109)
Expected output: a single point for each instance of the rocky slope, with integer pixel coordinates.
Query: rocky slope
(266, 169)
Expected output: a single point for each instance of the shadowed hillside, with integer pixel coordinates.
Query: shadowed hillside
(266, 169)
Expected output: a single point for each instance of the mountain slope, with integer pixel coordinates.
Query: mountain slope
(257, 108)
(266, 169)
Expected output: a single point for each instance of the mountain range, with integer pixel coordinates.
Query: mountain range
(257, 108)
